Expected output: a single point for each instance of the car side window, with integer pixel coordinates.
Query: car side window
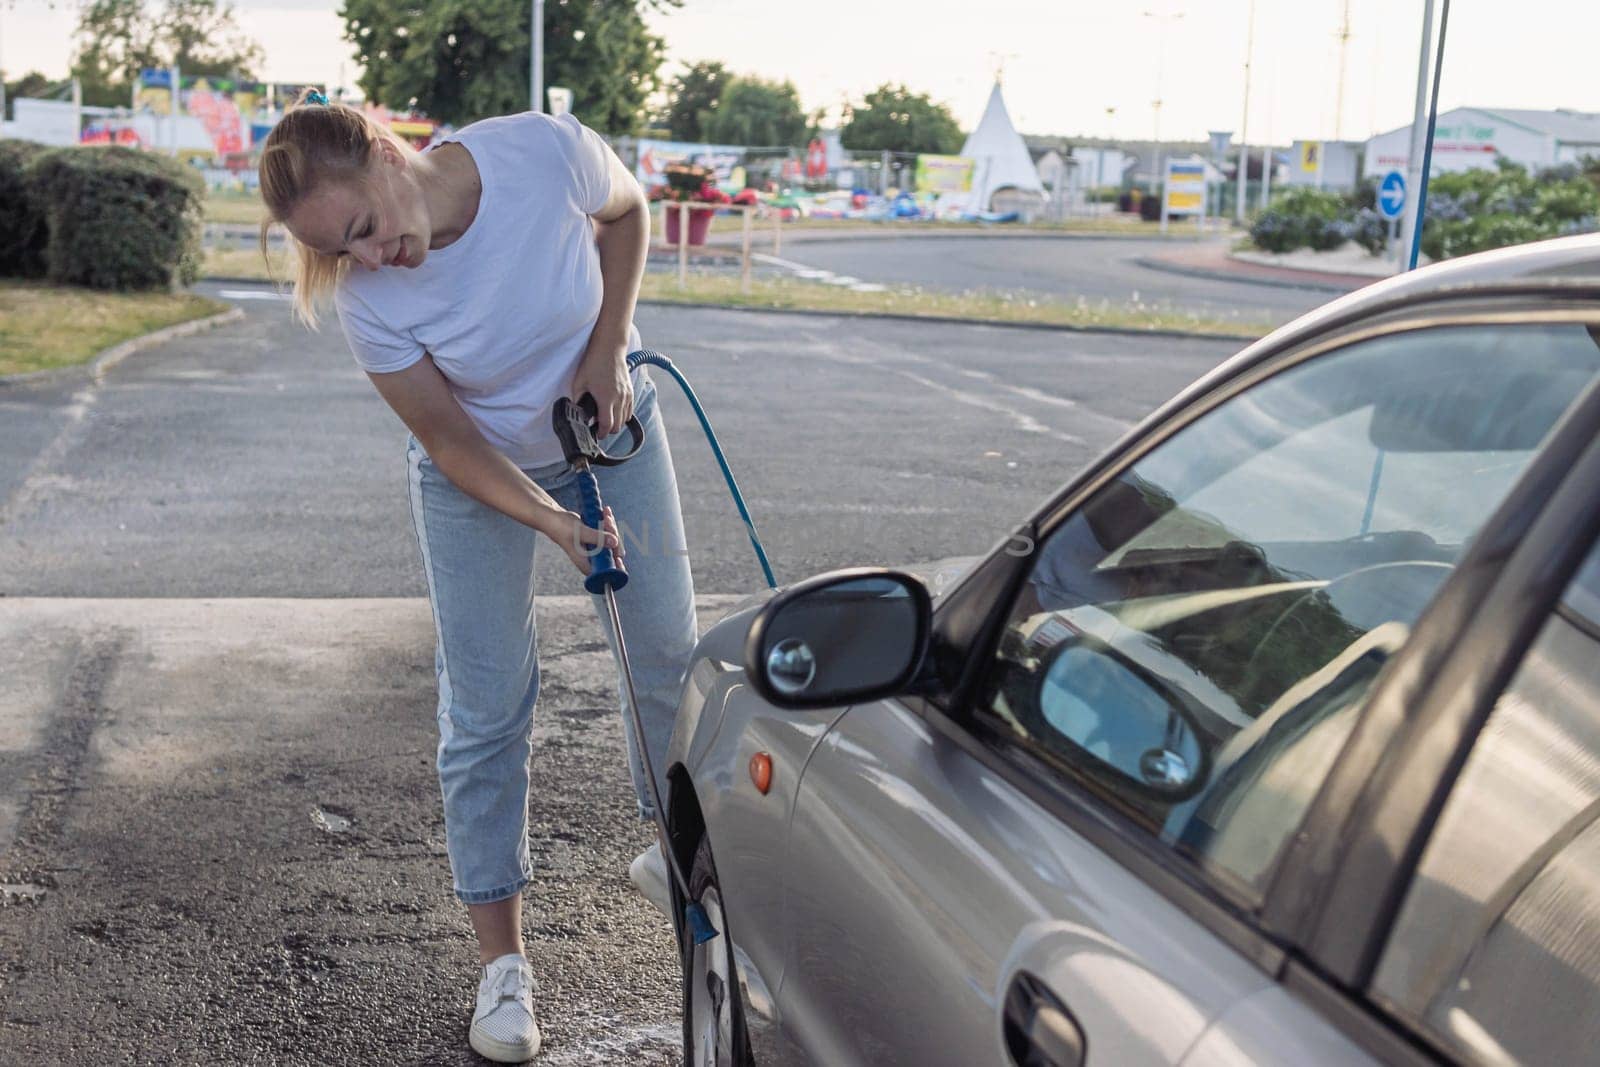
(1496, 950)
(1193, 642)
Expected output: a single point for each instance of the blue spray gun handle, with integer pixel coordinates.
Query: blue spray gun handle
(574, 423)
(608, 572)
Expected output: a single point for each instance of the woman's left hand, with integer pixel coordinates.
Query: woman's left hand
(603, 374)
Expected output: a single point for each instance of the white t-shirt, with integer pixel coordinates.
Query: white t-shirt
(506, 309)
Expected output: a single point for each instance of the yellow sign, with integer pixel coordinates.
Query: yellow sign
(944, 174)
(1310, 156)
(1186, 188)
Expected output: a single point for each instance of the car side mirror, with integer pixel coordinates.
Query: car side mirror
(839, 638)
(1122, 719)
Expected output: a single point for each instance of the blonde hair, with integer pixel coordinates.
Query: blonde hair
(312, 144)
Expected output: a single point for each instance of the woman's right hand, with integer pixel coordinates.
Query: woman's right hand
(581, 542)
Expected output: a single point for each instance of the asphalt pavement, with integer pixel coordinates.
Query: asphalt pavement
(1062, 268)
(228, 848)
(258, 461)
(219, 829)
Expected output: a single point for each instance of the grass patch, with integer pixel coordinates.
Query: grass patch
(242, 208)
(791, 293)
(44, 326)
(244, 261)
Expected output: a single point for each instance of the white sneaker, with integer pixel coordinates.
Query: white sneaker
(649, 872)
(503, 1029)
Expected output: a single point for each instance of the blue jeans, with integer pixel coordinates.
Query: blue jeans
(480, 570)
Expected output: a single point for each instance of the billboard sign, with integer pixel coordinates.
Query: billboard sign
(1185, 190)
(224, 106)
(654, 157)
(944, 174)
(1186, 187)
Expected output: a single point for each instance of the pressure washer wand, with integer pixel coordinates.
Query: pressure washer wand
(605, 578)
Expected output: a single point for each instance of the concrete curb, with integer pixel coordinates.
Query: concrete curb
(871, 231)
(824, 236)
(1269, 260)
(1151, 263)
(1116, 331)
(100, 364)
(1120, 331)
(229, 279)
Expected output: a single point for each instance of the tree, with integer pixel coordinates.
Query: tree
(202, 38)
(756, 112)
(894, 118)
(695, 94)
(118, 38)
(461, 60)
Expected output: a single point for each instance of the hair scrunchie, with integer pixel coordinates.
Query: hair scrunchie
(314, 97)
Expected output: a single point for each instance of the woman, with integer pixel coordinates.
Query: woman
(476, 283)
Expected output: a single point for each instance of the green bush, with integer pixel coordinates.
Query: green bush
(1370, 230)
(118, 218)
(22, 226)
(1468, 211)
(1474, 211)
(1301, 218)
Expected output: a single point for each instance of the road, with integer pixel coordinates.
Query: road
(220, 837)
(1062, 268)
(260, 462)
(1095, 268)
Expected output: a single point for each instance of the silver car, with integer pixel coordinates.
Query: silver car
(1273, 737)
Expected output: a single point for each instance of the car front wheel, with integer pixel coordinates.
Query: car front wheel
(713, 1019)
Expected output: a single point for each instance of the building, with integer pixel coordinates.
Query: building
(52, 122)
(1100, 168)
(1472, 138)
(1331, 165)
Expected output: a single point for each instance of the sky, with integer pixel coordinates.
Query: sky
(1070, 67)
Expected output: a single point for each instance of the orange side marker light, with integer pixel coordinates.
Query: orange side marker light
(761, 772)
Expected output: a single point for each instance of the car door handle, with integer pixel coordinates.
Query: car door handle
(1039, 1030)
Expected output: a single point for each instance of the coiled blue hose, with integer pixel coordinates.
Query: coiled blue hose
(656, 359)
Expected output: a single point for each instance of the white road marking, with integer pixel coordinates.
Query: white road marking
(37, 479)
(1021, 420)
(253, 294)
(777, 261)
(813, 274)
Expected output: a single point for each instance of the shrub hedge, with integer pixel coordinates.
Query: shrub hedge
(1475, 210)
(1301, 218)
(118, 218)
(1468, 211)
(22, 226)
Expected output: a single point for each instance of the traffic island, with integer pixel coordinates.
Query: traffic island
(710, 289)
(1215, 262)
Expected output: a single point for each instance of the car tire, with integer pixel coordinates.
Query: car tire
(713, 1017)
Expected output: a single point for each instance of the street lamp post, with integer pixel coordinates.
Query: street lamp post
(1162, 20)
(2, 88)
(1419, 132)
(1100, 156)
(1244, 123)
(536, 61)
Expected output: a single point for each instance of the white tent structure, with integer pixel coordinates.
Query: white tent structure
(1002, 164)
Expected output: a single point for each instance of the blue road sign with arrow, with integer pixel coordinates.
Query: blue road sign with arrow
(1392, 195)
